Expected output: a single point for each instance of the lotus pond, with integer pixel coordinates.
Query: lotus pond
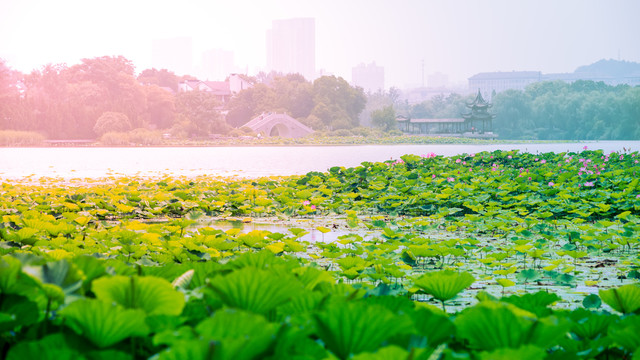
(494, 255)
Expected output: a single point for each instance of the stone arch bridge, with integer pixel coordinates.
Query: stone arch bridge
(283, 125)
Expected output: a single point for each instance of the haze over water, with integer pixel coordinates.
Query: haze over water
(16, 163)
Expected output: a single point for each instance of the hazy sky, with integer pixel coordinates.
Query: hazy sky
(455, 37)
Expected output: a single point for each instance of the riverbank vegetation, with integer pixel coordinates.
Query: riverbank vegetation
(81, 102)
(495, 255)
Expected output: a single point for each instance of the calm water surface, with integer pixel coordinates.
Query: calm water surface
(17, 163)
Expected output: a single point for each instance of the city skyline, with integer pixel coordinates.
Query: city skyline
(457, 38)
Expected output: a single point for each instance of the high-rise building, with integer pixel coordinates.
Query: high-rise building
(291, 47)
(217, 64)
(369, 77)
(173, 54)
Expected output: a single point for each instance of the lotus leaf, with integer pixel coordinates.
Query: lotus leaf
(590, 325)
(493, 325)
(591, 301)
(536, 303)
(16, 311)
(444, 285)
(625, 299)
(526, 352)
(626, 332)
(239, 335)
(255, 290)
(104, 323)
(62, 273)
(385, 353)
(434, 325)
(354, 327)
(154, 295)
(10, 268)
(52, 347)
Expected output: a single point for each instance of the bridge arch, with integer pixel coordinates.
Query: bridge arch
(280, 129)
(274, 124)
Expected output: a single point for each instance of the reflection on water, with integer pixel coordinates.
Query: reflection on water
(313, 235)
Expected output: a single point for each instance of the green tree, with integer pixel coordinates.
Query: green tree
(294, 95)
(384, 118)
(111, 122)
(160, 110)
(203, 112)
(161, 78)
(342, 102)
(249, 103)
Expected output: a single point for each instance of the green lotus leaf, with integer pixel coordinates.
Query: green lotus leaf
(189, 350)
(536, 303)
(109, 354)
(589, 325)
(493, 325)
(156, 296)
(354, 327)
(239, 334)
(52, 347)
(255, 290)
(591, 301)
(305, 303)
(626, 333)
(444, 285)
(62, 273)
(26, 235)
(434, 325)
(294, 343)
(625, 299)
(10, 268)
(385, 353)
(261, 260)
(104, 323)
(526, 352)
(16, 311)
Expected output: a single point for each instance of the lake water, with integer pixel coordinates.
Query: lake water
(98, 162)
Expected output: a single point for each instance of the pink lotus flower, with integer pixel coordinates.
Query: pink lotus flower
(588, 183)
(551, 183)
(313, 207)
(306, 202)
(543, 161)
(450, 179)
(529, 178)
(433, 176)
(458, 161)
(585, 147)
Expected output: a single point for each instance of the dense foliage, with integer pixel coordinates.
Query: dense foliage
(329, 102)
(63, 102)
(529, 256)
(580, 110)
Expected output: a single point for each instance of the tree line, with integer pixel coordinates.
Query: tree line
(555, 110)
(103, 94)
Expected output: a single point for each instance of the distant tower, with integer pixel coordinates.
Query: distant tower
(291, 47)
(479, 114)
